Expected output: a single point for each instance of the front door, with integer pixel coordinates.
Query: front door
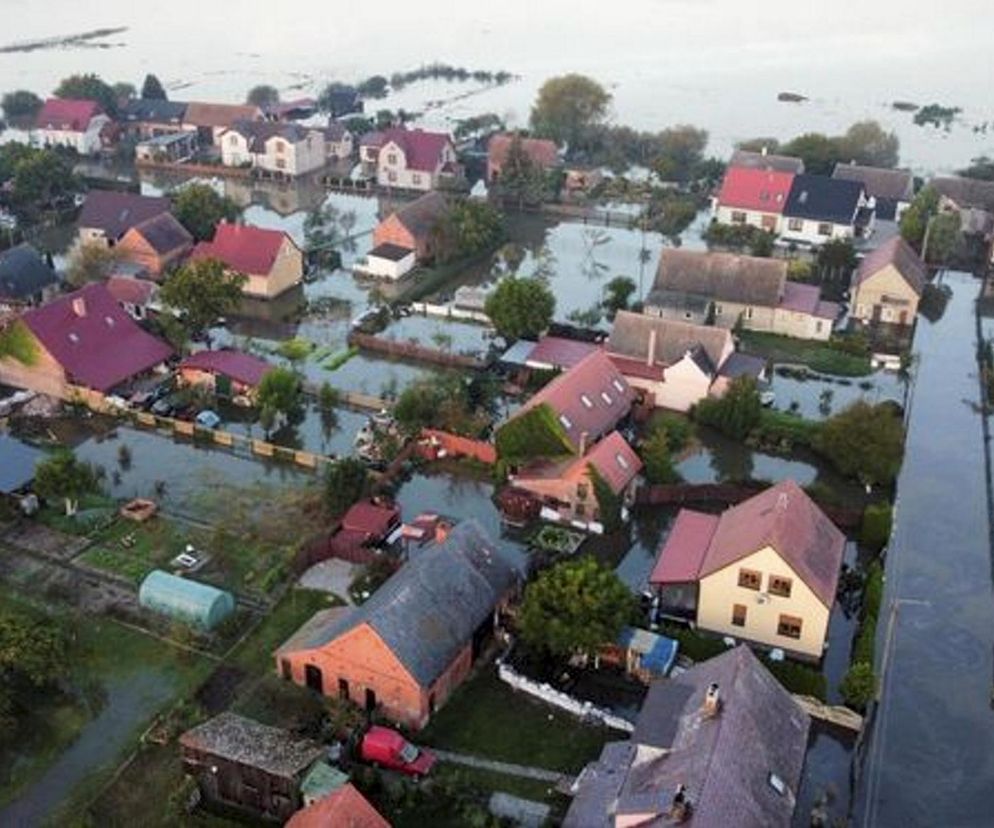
(877, 313)
(313, 678)
(370, 700)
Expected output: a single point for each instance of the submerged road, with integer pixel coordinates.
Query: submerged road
(930, 755)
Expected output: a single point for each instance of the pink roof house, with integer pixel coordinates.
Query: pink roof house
(411, 159)
(269, 258)
(75, 124)
(765, 570)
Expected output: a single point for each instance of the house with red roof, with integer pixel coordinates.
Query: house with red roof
(75, 124)
(407, 237)
(79, 343)
(765, 571)
(888, 284)
(156, 245)
(225, 372)
(344, 807)
(269, 258)
(135, 295)
(410, 159)
(752, 197)
(543, 153)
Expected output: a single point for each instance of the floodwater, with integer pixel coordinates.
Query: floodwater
(717, 64)
(930, 759)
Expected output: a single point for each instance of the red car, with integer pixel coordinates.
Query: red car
(387, 748)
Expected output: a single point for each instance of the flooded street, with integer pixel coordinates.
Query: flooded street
(930, 758)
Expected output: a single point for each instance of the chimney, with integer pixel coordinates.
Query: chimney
(650, 359)
(680, 805)
(79, 306)
(712, 701)
(584, 439)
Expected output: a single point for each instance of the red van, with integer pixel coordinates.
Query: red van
(387, 748)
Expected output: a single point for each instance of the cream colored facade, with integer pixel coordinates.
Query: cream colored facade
(801, 325)
(86, 142)
(392, 169)
(287, 271)
(719, 593)
(815, 233)
(737, 216)
(281, 156)
(772, 320)
(885, 297)
(683, 385)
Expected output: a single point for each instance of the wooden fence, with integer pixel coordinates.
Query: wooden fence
(455, 446)
(413, 351)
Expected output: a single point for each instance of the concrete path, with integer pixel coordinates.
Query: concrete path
(333, 576)
(508, 769)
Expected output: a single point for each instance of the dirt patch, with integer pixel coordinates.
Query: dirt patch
(219, 691)
(36, 537)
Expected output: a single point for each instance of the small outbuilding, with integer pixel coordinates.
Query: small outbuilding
(189, 601)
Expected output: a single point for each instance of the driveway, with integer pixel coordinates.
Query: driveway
(332, 576)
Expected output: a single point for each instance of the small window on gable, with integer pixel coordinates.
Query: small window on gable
(606, 397)
(587, 402)
(618, 386)
(566, 421)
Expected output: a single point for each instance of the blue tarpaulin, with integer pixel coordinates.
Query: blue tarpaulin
(17, 464)
(656, 653)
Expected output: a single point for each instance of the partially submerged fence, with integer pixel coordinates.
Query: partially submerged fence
(413, 351)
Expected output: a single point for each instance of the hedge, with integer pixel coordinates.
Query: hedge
(535, 433)
(875, 529)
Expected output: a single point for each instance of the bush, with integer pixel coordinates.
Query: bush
(679, 429)
(799, 678)
(783, 431)
(859, 685)
(736, 413)
(873, 596)
(875, 529)
(864, 441)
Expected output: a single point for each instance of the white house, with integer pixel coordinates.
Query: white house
(275, 147)
(75, 124)
(820, 209)
(411, 159)
(388, 261)
(338, 142)
(753, 197)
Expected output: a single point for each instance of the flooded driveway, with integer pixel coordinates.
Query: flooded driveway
(930, 758)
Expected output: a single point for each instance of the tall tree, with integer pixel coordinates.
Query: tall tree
(915, 220)
(202, 292)
(679, 151)
(521, 179)
(981, 168)
(820, 153)
(263, 96)
(520, 308)
(566, 106)
(736, 413)
(62, 475)
(199, 208)
(88, 87)
(617, 295)
(866, 142)
(941, 238)
(124, 91)
(279, 393)
(152, 89)
(468, 229)
(864, 441)
(91, 262)
(20, 104)
(574, 608)
(345, 482)
(40, 177)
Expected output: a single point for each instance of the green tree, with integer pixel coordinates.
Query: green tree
(820, 153)
(20, 104)
(443, 402)
(202, 292)
(124, 91)
(914, 220)
(617, 295)
(761, 245)
(680, 150)
(263, 96)
(468, 229)
(657, 457)
(942, 238)
(875, 528)
(152, 89)
(859, 685)
(326, 98)
(567, 106)
(866, 142)
(736, 413)
(981, 168)
(92, 262)
(279, 394)
(328, 397)
(346, 482)
(375, 86)
(520, 308)
(88, 87)
(521, 179)
(574, 608)
(864, 441)
(199, 208)
(62, 475)
(41, 177)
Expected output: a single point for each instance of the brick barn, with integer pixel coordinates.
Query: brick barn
(414, 641)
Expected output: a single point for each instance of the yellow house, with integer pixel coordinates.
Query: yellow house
(888, 284)
(269, 258)
(765, 571)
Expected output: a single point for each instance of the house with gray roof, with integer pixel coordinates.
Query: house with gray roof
(26, 279)
(719, 746)
(410, 645)
(726, 289)
(891, 190)
(279, 148)
(768, 161)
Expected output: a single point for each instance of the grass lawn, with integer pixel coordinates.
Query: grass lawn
(823, 357)
(155, 543)
(486, 718)
(483, 780)
(93, 510)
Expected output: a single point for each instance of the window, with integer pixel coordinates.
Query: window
(581, 491)
(392, 177)
(749, 313)
(233, 140)
(280, 163)
(416, 178)
(566, 421)
(818, 326)
(587, 402)
(606, 397)
(280, 147)
(824, 229)
(392, 158)
(789, 626)
(738, 615)
(738, 217)
(780, 586)
(343, 689)
(796, 225)
(750, 579)
(618, 386)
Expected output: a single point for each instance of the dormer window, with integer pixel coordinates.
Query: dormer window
(110, 321)
(622, 462)
(606, 397)
(567, 423)
(618, 386)
(587, 402)
(74, 338)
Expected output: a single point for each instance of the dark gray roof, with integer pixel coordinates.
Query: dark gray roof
(672, 339)
(252, 744)
(115, 213)
(820, 198)
(164, 233)
(966, 192)
(23, 273)
(17, 464)
(725, 761)
(422, 216)
(895, 185)
(429, 609)
(728, 277)
(155, 111)
(679, 301)
(393, 252)
(766, 161)
(257, 133)
(743, 365)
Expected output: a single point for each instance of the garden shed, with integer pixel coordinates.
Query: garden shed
(198, 604)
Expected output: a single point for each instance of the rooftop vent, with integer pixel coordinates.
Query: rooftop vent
(712, 700)
(79, 306)
(680, 805)
(777, 784)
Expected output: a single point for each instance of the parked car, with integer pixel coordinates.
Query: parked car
(208, 419)
(386, 748)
